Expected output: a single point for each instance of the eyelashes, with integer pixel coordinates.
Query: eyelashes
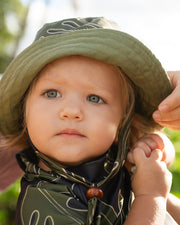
(95, 99)
(52, 94)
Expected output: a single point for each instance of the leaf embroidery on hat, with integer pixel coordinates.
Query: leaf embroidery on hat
(57, 31)
(69, 25)
(74, 24)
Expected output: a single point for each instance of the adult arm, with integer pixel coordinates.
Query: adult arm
(9, 169)
(173, 207)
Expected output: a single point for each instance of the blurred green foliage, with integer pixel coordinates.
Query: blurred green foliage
(8, 204)
(11, 19)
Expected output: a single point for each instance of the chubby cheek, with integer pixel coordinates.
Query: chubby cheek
(38, 130)
(106, 136)
(112, 128)
(35, 127)
(107, 127)
(112, 133)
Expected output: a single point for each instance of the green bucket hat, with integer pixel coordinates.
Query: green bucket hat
(97, 38)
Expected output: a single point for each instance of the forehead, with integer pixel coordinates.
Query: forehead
(81, 67)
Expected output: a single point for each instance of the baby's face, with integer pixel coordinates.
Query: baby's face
(74, 110)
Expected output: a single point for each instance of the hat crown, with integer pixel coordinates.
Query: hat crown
(94, 37)
(73, 24)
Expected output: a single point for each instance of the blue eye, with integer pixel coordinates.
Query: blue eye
(95, 99)
(52, 94)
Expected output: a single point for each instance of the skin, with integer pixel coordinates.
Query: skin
(151, 185)
(151, 142)
(173, 207)
(76, 102)
(168, 112)
(148, 144)
(8, 164)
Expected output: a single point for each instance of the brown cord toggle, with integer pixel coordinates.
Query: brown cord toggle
(94, 192)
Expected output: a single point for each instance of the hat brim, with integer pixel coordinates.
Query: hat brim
(111, 46)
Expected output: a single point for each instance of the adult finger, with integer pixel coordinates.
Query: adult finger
(171, 102)
(174, 77)
(174, 125)
(167, 116)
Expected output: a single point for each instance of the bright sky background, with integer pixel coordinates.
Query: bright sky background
(154, 22)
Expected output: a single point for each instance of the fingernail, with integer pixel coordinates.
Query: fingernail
(163, 108)
(157, 115)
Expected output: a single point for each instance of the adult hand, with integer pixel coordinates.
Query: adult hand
(9, 169)
(168, 113)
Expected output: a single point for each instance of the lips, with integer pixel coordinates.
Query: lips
(70, 133)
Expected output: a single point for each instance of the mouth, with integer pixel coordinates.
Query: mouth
(70, 133)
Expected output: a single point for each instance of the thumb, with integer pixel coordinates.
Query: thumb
(138, 155)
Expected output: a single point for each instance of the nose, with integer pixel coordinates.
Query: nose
(71, 111)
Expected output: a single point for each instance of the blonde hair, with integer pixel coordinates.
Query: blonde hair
(140, 125)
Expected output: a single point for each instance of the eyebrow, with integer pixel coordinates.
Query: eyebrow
(88, 85)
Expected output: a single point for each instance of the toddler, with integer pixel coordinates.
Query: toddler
(76, 100)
